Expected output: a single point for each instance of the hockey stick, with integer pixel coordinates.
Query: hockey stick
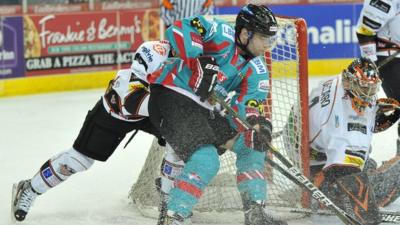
(388, 59)
(386, 215)
(293, 173)
(390, 217)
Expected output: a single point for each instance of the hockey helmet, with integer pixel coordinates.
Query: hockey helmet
(256, 19)
(361, 80)
(149, 57)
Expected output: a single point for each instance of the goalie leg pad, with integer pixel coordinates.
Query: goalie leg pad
(325, 179)
(357, 196)
(199, 170)
(386, 181)
(59, 168)
(250, 176)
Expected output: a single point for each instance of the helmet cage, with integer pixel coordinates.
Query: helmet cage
(363, 80)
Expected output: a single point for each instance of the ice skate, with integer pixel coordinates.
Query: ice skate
(256, 215)
(23, 197)
(162, 209)
(173, 218)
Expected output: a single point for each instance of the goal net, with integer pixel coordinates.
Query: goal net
(221, 201)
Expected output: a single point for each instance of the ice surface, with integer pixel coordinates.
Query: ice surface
(34, 128)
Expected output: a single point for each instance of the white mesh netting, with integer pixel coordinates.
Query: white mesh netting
(222, 196)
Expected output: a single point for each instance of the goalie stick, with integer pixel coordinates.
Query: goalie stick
(388, 59)
(293, 173)
(390, 217)
(386, 215)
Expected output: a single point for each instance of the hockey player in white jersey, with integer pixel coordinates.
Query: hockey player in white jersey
(344, 113)
(378, 32)
(122, 109)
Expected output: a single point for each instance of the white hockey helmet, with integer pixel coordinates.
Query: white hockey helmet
(149, 57)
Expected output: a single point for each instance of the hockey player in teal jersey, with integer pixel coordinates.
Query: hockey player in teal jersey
(213, 57)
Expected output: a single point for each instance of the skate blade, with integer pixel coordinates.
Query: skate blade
(13, 196)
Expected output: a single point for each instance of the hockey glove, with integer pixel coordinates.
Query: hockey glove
(387, 105)
(259, 137)
(204, 77)
(388, 113)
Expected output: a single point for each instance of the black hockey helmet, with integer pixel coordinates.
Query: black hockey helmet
(256, 18)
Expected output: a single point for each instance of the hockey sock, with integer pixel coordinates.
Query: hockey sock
(59, 168)
(171, 167)
(201, 167)
(250, 175)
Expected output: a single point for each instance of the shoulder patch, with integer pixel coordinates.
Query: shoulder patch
(228, 32)
(263, 85)
(199, 27)
(259, 65)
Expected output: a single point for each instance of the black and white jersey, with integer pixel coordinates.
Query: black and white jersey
(381, 18)
(172, 10)
(127, 97)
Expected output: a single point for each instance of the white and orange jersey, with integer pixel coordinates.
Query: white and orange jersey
(127, 95)
(381, 18)
(336, 129)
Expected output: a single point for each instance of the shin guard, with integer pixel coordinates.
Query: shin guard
(250, 175)
(59, 168)
(201, 167)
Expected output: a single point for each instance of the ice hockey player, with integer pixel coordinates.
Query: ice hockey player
(344, 113)
(215, 57)
(379, 37)
(122, 109)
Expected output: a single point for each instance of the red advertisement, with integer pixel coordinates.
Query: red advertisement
(75, 42)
